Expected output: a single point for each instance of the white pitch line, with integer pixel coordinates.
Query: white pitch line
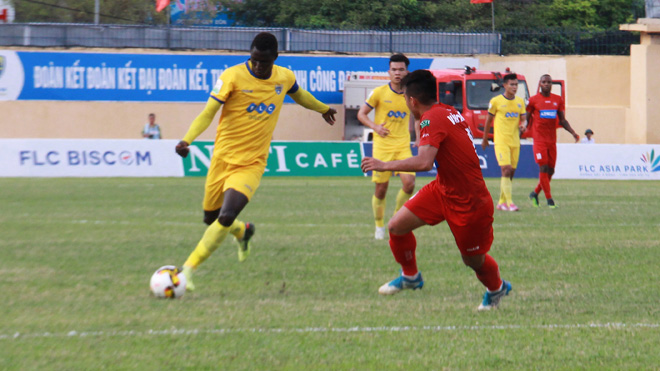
(191, 332)
(319, 225)
(200, 224)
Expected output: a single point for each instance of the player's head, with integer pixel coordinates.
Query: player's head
(263, 53)
(546, 84)
(152, 118)
(510, 84)
(420, 90)
(398, 67)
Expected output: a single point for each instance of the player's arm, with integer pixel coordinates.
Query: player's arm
(422, 162)
(522, 125)
(489, 123)
(564, 123)
(530, 115)
(363, 117)
(201, 123)
(307, 100)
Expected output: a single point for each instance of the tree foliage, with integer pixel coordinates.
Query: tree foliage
(449, 15)
(82, 11)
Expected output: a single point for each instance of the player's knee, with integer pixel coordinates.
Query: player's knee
(392, 227)
(211, 216)
(227, 218)
(473, 261)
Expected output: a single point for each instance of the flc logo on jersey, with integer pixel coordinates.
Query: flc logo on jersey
(278, 89)
(424, 124)
(261, 108)
(511, 114)
(397, 114)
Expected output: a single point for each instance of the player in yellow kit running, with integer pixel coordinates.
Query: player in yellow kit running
(391, 138)
(508, 112)
(252, 94)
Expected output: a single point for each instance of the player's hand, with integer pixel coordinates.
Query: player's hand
(382, 130)
(416, 144)
(329, 116)
(484, 143)
(577, 137)
(182, 149)
(371, 164)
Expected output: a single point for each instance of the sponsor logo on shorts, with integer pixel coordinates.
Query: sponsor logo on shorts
(473, 249)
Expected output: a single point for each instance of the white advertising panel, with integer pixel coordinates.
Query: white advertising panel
(608, 161)
(89, 158)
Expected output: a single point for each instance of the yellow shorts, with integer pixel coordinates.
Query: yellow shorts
(384, 177)
(223, 176)
(507, 155)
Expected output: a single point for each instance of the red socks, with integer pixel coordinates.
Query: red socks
(544, 183)
(489, 274)
(403, 248)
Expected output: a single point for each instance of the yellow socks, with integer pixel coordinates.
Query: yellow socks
(506, 186)
(237, 229)
(378, 206)
(213, 237)
(401, 199)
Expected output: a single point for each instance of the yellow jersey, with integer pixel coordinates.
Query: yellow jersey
(507, 114)
(392, 110)
(250, 110)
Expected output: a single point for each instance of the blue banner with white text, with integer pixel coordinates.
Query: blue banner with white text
(162, 77)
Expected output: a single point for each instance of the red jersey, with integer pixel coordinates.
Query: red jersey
(544, 112)
(459, 174)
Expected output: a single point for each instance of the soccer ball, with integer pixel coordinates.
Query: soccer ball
(168, 282)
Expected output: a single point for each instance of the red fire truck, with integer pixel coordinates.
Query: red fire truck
(470, 90)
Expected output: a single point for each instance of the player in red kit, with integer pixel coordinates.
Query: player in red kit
(457, 195)
(545, 110)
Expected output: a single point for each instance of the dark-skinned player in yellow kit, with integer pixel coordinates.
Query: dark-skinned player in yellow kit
(251, 94)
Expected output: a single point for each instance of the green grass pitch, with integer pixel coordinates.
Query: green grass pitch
(77, 255)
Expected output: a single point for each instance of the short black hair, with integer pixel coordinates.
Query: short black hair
(152, 114)
(400, 58)
(265, 42)
(510, 76)
(421, 85)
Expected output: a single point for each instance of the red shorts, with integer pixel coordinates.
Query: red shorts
(473, 231)
(545, 154)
